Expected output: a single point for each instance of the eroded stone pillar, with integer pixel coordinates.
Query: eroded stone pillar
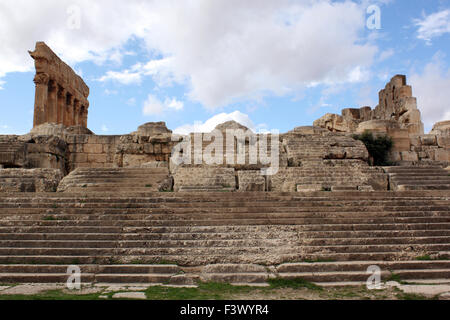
(61, 104)
(41, 98)
(84, 115)
(68, 112)
(77, 110)
(52, 110)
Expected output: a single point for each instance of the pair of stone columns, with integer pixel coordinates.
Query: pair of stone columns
(54, 104)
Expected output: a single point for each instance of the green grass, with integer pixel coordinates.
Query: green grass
(295, 283)
(49, 218)
(204, 291)
(148, 185)
(424, 258)
(52, 295)
(412, 296)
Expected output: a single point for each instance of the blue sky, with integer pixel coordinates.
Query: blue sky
(193, 64)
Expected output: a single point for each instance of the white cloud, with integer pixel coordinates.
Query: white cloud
(1, 84)
(154, 106)
(124, 77)
(223, 50)
(110, 92)
(432, 91)
(131, 102)
(4, 129)
(210, 124)
(433, 25)
(158, 69)
(105, 128)
(386, 54)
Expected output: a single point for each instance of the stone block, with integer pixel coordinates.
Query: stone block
(409, 156)
(97, 158)
(75, 148)
(428, 140)
(443, 141)
(442, 154)
(309, 188)
(93, 148)
(251, 180)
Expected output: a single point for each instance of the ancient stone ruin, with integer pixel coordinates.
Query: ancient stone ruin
(61, 95)
(69, 195)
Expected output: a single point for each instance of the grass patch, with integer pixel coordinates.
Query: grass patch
(424, 258)
(395, 277)
(52, 295)
(204, 291)
(295, 283)
(49, 218)
(148, 185)
(412, 296)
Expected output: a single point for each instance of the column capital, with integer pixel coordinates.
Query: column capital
(41, 78)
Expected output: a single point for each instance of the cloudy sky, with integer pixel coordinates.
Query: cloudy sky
(196, 63)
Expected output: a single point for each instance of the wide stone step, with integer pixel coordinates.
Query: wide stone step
(244, 234)
(425, 187)
(214, 226)
(274, 219)
(351, 276)
(104, 244)
(201, 260)
(377, 241)
(361, 266)
(224, 250)
(137, 215)
(106, 269)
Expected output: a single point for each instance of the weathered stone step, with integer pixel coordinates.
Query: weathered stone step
(201, 260)
(224, 205)
(104, 244)
(419, 178)
(213, 226)
(244, 234)
(425, 187)
(361, 266)
(363, 276)
(373, 234)
(136, 215)
(224, 250)
(230, 219)
(377, 241)
(92, 268)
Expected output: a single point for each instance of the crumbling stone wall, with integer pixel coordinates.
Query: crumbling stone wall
(33, 152)
(29, 180)
(396, 105)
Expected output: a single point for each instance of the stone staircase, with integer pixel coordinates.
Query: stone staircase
(418, 178)
(114, 180)
(246, 237)
(330, 175)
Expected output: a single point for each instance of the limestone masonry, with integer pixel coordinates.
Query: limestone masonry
(61, 95)
(309, 158)
(120, 207)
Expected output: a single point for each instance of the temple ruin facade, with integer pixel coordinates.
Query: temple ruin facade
(121, 206)
(61, 95)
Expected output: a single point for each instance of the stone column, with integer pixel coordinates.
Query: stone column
(68, 113)
(52, 111)
(84, 116)
(41, 99)
(77, 110)
(61, 104)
